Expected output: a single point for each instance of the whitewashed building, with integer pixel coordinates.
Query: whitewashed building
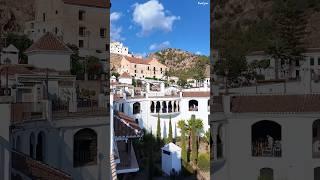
(171, 159)
(297, 70)
(119, 48)
(155, 99)
(266, 136)
(49, 52)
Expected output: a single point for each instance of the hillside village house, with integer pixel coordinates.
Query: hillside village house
(142, 68)
(297, 70)
(49, 52)
(119, 48)
(79, 22)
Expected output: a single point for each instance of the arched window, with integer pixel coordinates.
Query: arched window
(31, 145)
(316, 139)
(170, 107)
(193, 105)
(152, 107)
(40, 149)
(266, 173)
(219, 142)
(136, 108)
(158, 107)
(164, 107)
(85, 147)
(266, 139)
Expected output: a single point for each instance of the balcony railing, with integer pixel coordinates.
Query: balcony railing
(263, 148)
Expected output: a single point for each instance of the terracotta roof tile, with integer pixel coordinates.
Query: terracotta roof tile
(125, 75)
(276, 103)
(125, 126)
(196, 94)
(90, 3)
(48, 42)
(138, 60)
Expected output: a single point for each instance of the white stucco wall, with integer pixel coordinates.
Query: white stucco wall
(296, 162)
(59, 62)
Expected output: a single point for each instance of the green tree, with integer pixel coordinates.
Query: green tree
(22, 43)
(170, 138)
(115, 74)
(183, 128)
(77, 68)
(287, 44)
(94, 67)
(195, 128)
(158, 128)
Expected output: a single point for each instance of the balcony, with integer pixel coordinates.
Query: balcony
(63, 109)
(263, 149)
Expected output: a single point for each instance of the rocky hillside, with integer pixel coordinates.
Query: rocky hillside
(14, 14)
(178, 60)
(243, 14)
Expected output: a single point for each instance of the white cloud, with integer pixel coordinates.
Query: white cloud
(115, 16)
(151, 16)
(160, 46)
(198, 53)
(115, 31)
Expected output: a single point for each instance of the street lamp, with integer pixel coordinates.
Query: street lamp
(7, 62)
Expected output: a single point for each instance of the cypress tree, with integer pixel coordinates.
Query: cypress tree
(184, 155)
(158, 129)
(170, 138)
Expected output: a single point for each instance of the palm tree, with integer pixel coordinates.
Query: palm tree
(195, 129)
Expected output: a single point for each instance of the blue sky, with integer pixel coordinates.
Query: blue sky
(146, 26)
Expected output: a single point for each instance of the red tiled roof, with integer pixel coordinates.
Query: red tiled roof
(138, 60)
(276, 103)
(15, 69)
(125, 75)
(125, 126)
(23, 69)
(196, 94)
(48, 42)
(90, 3)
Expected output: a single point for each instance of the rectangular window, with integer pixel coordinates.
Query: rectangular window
(44, 17)
(102, 32)
(81, 43)
(82, 31)
(107, 47)
(81, 15)
(311, 61)
(318, 60)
